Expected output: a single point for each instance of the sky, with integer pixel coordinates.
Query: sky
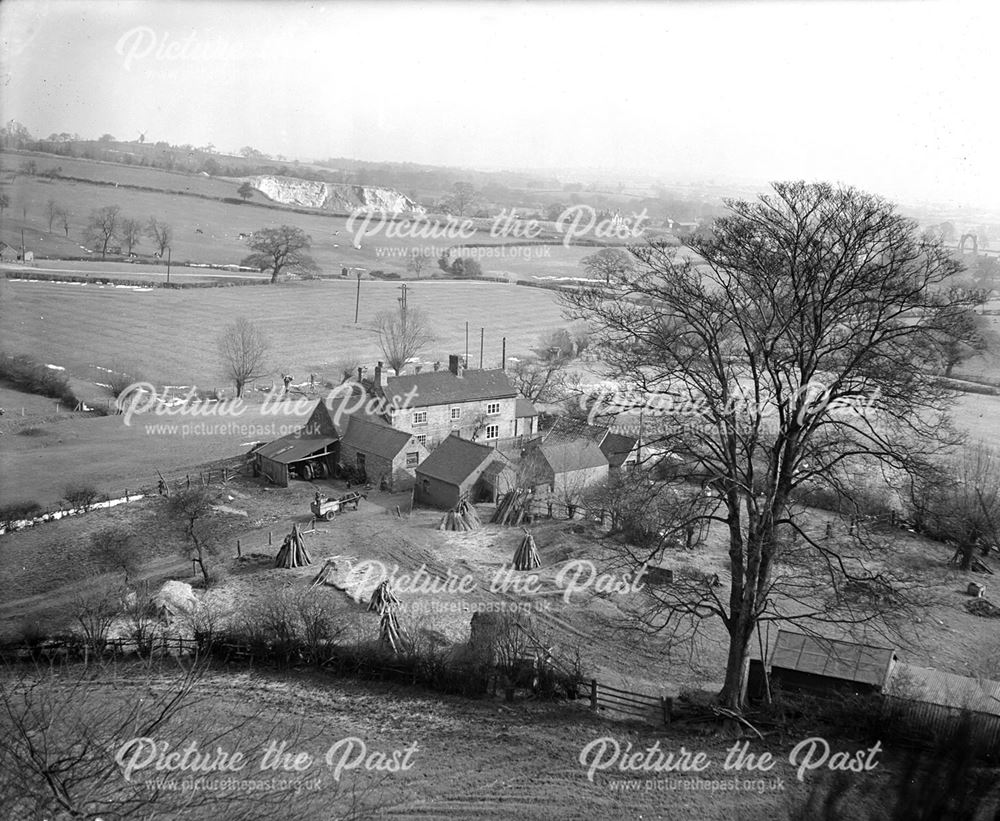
(896, 97)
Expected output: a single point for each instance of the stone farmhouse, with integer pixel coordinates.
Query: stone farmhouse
(477, 405)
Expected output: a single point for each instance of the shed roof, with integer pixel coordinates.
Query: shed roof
(523, 407)
(370, 436)
(617, 447)
(946, 689)
(832, 658)
(318, 433)
(444, 388)
(455, 459)
(566, 456)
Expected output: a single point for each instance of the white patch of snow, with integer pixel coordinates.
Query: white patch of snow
(55, 367)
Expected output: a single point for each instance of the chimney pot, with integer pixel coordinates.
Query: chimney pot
(456, 365)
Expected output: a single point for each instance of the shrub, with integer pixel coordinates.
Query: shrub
(18, 511)
(121, 377)
(31, 376)
(31, 432)
(81, 495)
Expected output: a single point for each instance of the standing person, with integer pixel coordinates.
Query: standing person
(287, 379)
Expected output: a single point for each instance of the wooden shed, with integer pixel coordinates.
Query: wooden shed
(821, 665)
(310, 452)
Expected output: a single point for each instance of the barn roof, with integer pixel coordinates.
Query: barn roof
(374, 437)
(442, 387)
(455, 459)
(946, 689)
(616, 447)
(832, 658)
(318, 433)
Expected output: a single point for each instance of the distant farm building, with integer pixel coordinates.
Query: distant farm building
(564, 466)
(621, 450)
(304, 453)
(459, 469)
(381, 451)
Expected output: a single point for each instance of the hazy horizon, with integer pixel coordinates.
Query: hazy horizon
(890, 96)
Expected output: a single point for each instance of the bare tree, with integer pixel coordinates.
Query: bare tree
(540, 380)
(4, 203)
(52, 210)
(807, 300)
(418, 261)
(193, 509)
(960, 337)
(103, 227)
(462, 197)
(608, 264)
(161, 233)
(402, 334)
(64, 217)
(244, 348)
(130, 232)
(280, 249)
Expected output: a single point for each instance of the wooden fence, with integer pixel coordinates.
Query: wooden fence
(634, 705)
(923, 721)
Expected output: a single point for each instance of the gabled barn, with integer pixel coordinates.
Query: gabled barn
(566, 467)
(308, 453)
(379, 450)
(458, 469)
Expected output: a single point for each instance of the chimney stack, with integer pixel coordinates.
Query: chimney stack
(380, 375)
(456, 365)
(361, 372)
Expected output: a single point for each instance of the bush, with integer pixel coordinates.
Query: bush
(121, 377)
(32, 376)
(81, 495)
(18, 511)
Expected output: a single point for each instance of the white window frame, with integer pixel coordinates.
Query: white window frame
(496, 432)
(489, 406)
(419, 417)
(456, 413)
(421, 439)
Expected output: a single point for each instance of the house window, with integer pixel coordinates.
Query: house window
(456, 413)
(412, 459)
(419, 417)
(422, 439)
(492, 431)
(492, 408)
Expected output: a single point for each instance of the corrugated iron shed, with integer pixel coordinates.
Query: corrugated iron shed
(946, 689)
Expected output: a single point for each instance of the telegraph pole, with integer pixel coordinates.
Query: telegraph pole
(168, 265)
(467, 343)
(357, 300)
(482, 340)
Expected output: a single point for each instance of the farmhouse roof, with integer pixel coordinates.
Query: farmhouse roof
(832, 658)
(445, 388)
(318, 433)
(617, 447)
(946, 689)
(371, 436)
(455, 459)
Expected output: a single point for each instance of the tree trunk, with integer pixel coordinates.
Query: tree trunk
(733, 692)
(274, 275)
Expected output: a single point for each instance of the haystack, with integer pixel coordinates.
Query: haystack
(175, 600)
(526, 557)
(382, 599)
(513, 508)
(389, 632)
(293, 551)
(461, 517)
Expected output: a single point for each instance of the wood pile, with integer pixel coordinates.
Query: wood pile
(389, 632)
(526, 557)
(382, 599)
(293, 551)
(513, 509)
(461, 517)
(983, 607)
(326, 575)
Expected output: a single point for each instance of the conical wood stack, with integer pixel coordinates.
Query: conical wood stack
(382, 599)
(293, 551)
(526, 557)
(462, 517)
(389, 633)
(512, 508)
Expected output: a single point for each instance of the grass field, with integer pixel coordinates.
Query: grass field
(171, 335)
(220, 223)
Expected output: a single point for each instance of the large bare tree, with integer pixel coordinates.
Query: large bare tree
(244, 347)
(402, 334)
(806, 302)
(284, 248)
(103, 227)
(161, 233)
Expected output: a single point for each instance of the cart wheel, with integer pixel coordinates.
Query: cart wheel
(324, 470)
(329, 515)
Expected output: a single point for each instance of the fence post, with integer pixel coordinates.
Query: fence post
(667, 705)
(239, 552)
(593, 694)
